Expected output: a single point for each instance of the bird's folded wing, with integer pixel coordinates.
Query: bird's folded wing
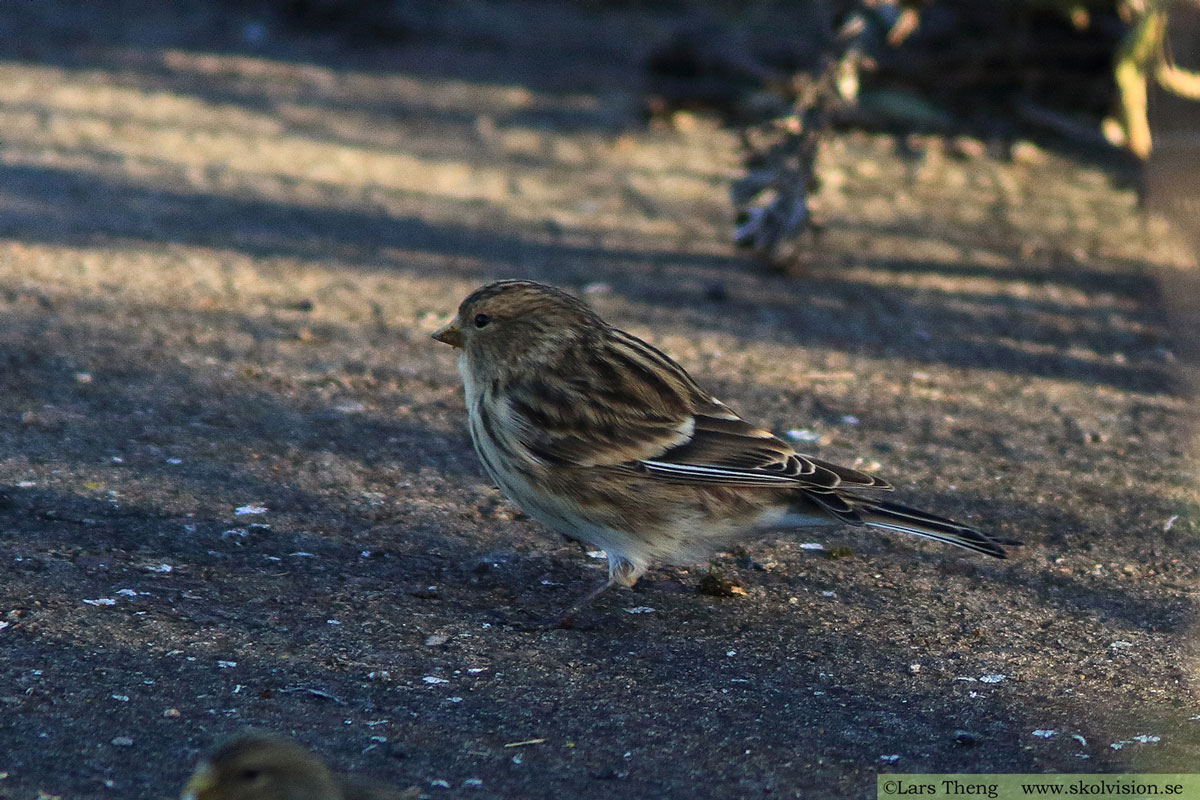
(642, 412)
(625, 404)
(725, 449)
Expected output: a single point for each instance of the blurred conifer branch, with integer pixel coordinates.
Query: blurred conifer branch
(776, 200)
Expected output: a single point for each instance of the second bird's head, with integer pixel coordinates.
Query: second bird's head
(260, 765)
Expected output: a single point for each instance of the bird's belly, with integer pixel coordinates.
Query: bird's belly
(518, 486)
(673, 527)
(552, 508)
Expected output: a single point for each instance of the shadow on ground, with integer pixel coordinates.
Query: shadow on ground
(184, 341)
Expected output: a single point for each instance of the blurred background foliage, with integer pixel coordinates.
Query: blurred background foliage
(1073, 73)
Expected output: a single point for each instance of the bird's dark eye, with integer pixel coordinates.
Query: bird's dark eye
(482, 320)
(249, 775)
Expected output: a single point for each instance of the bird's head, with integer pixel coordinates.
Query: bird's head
(504, 324)
(259, 765)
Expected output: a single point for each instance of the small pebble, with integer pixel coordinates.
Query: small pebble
(1024, 152)
(242, 511)
(966, 147)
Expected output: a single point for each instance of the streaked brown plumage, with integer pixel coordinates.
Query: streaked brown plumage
(606, 439)
(261, 765)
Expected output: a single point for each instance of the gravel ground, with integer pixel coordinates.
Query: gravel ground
(236, 486)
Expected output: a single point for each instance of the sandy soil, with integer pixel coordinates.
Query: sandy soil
(236, 486)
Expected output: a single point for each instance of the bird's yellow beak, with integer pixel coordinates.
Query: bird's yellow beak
(202, 780)
(450, 334)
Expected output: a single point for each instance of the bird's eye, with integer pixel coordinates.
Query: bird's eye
(249, 775)
(482, 320)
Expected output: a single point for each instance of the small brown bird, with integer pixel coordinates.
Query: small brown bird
(261, 765)
(604, 438)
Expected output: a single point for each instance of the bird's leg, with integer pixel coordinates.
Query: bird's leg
(620, 571)
(567, 618)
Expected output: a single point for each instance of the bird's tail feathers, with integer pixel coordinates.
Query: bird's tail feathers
(896, 517)
(893, 516)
